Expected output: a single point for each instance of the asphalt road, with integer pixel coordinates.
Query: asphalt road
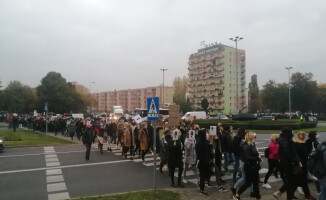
(26, 173)
(61, 172)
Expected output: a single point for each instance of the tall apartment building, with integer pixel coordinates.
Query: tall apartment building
(218, 73)
(132, 98)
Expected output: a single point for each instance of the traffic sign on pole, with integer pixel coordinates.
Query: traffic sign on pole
(153, 109)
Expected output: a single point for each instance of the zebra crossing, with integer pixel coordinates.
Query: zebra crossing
(190, 175)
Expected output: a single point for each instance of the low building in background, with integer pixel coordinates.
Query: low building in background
(132, 98)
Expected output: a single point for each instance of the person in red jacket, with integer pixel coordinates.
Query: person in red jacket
(273, 159)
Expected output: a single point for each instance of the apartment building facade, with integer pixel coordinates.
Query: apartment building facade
(218, 73)
(132, 98)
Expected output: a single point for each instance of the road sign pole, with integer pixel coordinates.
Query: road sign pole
(153, 111)
(154, 170)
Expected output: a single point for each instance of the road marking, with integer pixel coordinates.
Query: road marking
(38, 154)
(55, 183)
(53, 172)
(63, 167)
(59, 196)
(53, 179)
(49, 151)
(51, 156)
(52, 164)
(54, 187)
(51, 159)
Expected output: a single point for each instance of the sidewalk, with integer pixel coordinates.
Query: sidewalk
(213, 193)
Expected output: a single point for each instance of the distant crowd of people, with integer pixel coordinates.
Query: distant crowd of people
(202, 151)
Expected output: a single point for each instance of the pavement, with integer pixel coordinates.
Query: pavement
(191, 191)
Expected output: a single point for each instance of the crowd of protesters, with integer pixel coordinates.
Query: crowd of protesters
(202, 153)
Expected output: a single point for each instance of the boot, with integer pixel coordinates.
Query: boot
(179, 182)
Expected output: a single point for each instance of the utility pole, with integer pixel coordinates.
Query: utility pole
(236, 39)
(289, 68)
(163, 86)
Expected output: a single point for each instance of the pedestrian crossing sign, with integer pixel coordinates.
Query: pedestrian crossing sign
(153, 109)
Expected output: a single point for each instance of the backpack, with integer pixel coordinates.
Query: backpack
(266, 152)
(316, 165)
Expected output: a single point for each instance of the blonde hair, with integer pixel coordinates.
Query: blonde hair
(249, 137)
(301, 133)
(274, 136)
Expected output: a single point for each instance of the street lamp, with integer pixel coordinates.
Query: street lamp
(236, 39)
(90, 86)
(163, 85)
(289, 68)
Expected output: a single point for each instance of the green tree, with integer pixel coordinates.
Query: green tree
(18, 98)
(60, 94)
(204, 104)
(274, 97)
(321, 108)
(304, 92)
(179, 97)
(254, 99)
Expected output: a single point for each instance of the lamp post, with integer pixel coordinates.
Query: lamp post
(236, 39)
(289, 69)
(90, 86)
(163, 85)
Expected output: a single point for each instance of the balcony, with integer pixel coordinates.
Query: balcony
(219, 75)
(220, 69)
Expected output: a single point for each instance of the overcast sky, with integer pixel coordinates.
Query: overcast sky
(120, 44)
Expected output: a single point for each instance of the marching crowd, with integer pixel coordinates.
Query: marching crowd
(296, 160)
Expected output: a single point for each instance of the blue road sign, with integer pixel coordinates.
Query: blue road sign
(153, 109)
(46, 106)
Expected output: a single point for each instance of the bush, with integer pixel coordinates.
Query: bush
(257, 124)
(323, 118)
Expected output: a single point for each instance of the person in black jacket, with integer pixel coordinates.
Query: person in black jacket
(202, 151)
(312, 142)
(226, 146)
(175, 160)
(88, 139)
(237, 141)
(251, 159)
(302, 152)
(289, 160)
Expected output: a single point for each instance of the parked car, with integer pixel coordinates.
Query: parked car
(2, 146)
(313, 119)
(268, 117)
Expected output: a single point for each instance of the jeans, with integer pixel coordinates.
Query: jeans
(322, 195)
(236, 167)
(252, 177)
(226, 161)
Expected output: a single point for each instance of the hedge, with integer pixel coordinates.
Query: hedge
(257, 124)
(323, 118)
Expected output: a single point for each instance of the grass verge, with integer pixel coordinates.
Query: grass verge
(141, 195)
(22, 138)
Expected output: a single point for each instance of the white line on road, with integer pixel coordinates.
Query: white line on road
(63, 167)
(57, 196)
(54, 179)
(38, 154)
(56, 187)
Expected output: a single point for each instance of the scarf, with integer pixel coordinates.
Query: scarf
(298, 140)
